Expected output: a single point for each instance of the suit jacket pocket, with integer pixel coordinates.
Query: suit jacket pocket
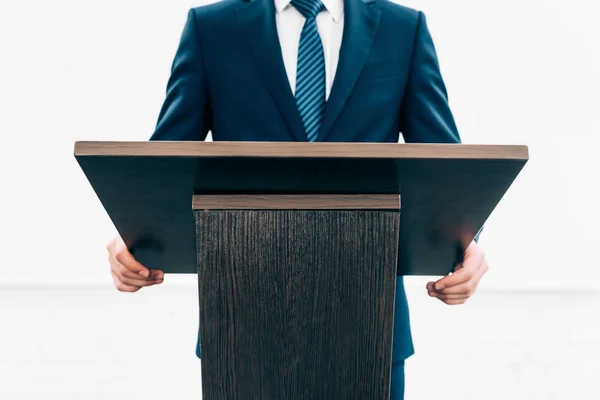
(382, 71)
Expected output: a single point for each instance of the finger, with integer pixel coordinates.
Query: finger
(121, 287)
(455, 302)
(136, 282)
(131, 278)
(448, 296)
(123, 272)
(465, 289)
(459, 277)
(431, 286)
(126, 259)
(469, 287)
(464, 273)
(139, 283)
(447, 300)
(472, 262)
(157, 274)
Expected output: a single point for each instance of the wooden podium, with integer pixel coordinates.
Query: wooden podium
(297, 246)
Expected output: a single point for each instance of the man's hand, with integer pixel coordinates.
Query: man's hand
(459, 287)
(128, 274)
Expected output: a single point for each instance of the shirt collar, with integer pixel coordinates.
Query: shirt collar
(334, 7)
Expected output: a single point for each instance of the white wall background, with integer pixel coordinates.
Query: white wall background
(518, 72)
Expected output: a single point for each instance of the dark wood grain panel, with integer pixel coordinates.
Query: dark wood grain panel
(301, 150)
(296, 304)
(296, 202)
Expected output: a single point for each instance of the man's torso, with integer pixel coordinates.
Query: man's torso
(249, 90)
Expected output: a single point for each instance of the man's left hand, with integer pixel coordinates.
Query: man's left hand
(459, 287)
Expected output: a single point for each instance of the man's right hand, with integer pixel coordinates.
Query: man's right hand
(128, 274)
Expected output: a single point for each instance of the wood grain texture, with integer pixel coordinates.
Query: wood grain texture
(296, 304)
(301, 150)
(296, 202)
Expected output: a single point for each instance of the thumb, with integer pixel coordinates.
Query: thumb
(126, 259)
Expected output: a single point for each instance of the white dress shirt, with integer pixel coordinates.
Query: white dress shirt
(330, 23)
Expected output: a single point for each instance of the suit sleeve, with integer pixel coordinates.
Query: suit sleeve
(185, 114)
(426, 116)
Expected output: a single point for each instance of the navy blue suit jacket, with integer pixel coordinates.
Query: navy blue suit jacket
(228, 77)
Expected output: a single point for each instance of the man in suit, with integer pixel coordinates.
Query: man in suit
(310, 70)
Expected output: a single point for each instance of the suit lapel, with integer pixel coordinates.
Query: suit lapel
(257, 18)
(361, 19)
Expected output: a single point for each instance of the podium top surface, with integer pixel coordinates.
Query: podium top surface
(447, 190)
(302, 150)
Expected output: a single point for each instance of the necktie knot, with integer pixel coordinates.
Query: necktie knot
(308, 8)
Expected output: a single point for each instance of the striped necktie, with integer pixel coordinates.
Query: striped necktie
(310, 74)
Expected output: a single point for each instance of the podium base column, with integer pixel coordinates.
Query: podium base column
(297, 295)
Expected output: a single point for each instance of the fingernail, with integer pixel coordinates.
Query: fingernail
(439, 286)
(145, 274)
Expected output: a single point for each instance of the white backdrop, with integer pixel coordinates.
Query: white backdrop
(517, 71)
